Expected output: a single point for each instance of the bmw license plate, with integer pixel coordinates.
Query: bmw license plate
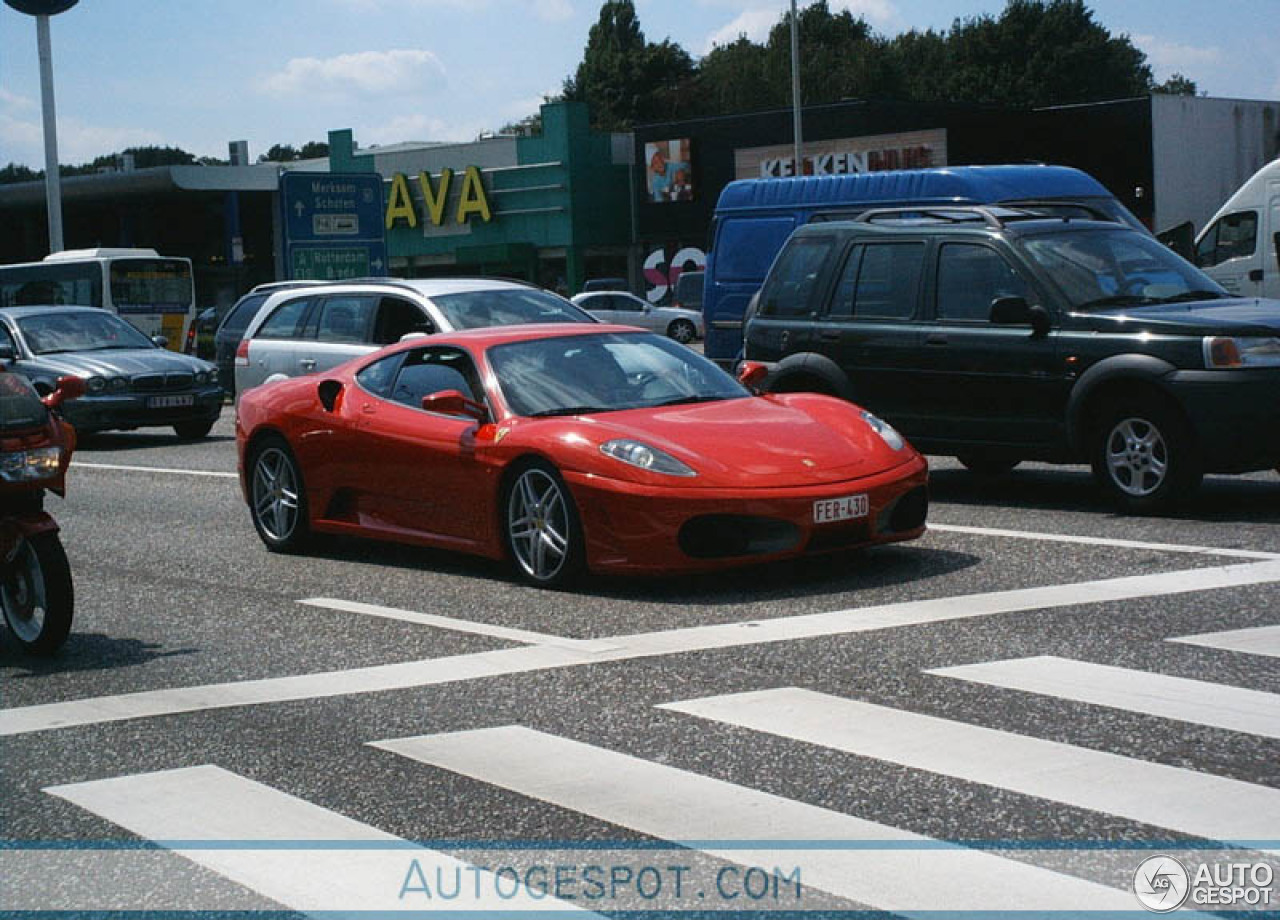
(844, 508)
(171, 402)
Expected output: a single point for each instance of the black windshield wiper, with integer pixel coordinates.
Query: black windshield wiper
(1116, 300)
(570, 410)
(688, 400)
(1195, 295)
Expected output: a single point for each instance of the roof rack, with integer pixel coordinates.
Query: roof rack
(994, 218)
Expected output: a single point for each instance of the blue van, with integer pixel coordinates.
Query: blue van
(754, 217)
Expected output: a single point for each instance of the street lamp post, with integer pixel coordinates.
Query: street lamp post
(795, 89)
(42, 10)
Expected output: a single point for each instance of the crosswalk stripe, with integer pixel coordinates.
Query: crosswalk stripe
(180, 809)
(1179, 698)
(504, 662)
(1177, 799)
(1258, 640)
(674, 804)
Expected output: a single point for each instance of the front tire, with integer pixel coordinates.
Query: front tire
(682, 331)
(193, 430)
(1144, 454)
(988, 465)
(541, 527)
(37, 595)
(278, 497)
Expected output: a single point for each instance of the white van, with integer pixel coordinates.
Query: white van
(1240, 248)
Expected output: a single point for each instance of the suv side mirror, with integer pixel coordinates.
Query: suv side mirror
(1015, 311)
(451, 402)
(160, 341)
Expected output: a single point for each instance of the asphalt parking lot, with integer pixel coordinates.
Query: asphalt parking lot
(1038, 671)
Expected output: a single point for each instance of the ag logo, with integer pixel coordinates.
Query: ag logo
(1161, 884)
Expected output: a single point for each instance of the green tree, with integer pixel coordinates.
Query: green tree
(623, 78)
(734, 78)
(313, 150)
(279, 153)
(840, 57)
(1176, 85)
(14, 172)
(1042, 52)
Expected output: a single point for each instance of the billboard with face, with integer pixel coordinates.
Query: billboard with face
(668, 170)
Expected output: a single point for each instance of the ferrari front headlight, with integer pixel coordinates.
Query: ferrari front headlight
(645, 457)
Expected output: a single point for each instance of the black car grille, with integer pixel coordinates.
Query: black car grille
(158, 383)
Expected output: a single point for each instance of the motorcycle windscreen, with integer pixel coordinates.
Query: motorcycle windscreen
(20, 406)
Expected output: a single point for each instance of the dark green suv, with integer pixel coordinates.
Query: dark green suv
(997, 335)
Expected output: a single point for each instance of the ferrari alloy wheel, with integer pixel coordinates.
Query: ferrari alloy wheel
(542, 528)
(682, 331)
(277, 501)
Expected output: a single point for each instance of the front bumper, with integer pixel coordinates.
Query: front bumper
(1235, 415)
(142, 410)
(633, 529)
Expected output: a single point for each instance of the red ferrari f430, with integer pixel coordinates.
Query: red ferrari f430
(566, 448)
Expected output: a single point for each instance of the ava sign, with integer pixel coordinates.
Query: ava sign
(42, 7)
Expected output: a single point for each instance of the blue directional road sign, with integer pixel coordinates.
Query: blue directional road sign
(333, 225)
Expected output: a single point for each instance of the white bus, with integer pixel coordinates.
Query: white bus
(153, 292)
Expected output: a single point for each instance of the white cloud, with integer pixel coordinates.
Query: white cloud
(78, 142)
(421, 128)
(755, 22)
(14, 103)
(1168, 58)
(553, 10)
(366, 73)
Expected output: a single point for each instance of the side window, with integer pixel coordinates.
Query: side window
(1231, 237)
(880, 280)
(284, 322)
(625, 304)
(346, 320)
(430, 370)
(242, 314)
(397, 318)
(970, 277)
(377, 377)
(794, 280)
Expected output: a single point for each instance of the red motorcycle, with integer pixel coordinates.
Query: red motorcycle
(35, 448)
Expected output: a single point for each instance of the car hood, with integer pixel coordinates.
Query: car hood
(1234, 316)
(761, 442)
(123, 363)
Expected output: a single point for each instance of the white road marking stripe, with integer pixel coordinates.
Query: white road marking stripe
(1181, 800)
(431, 672)
(81, 465)
(524, 636)
(209, 804)
(676, 805)
(1258, 640)
(1103, 541)
(1204, 703)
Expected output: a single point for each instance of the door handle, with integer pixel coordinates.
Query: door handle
(1255, 275)
(935, 338)
(307, 364)
(829, 336)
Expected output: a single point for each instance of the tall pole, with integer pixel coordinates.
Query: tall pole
(795, 89)
(52, 179)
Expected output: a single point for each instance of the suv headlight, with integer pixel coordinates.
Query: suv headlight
(642, 456)
(1252, 351)
(30, 465)
(887, 432)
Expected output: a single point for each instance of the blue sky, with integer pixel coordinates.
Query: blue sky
(196, 74)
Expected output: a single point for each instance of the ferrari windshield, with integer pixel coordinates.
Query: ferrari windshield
(605, 372)
(79, 330)
(1101, 268)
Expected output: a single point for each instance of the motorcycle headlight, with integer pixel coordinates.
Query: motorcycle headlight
(1242, 351)
(30, 465)
(95, 384)
(645, 457)
(887, 432)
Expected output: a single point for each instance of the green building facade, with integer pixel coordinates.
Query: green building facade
(553, 209)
